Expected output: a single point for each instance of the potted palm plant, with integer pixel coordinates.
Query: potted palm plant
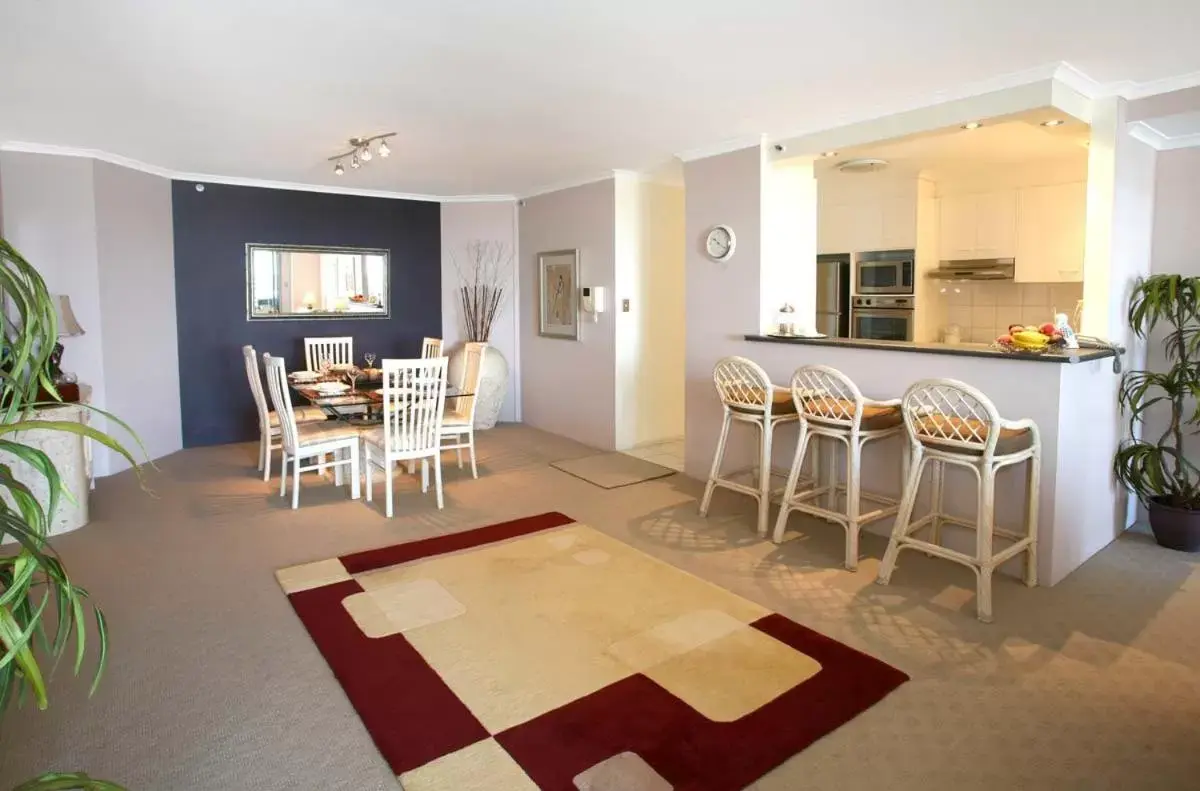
(1155, 467)
(43, 613)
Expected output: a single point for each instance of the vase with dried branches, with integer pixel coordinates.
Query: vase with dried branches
(484, 277)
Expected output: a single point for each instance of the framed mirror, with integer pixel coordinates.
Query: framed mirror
(293, 282)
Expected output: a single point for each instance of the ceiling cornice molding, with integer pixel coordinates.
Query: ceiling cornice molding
(607, 175)
(1140, 130)
(208, 178)
(724, 147)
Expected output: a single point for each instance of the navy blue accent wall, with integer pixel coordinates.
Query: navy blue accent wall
(212, 229)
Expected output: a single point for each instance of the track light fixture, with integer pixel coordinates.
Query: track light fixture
(360, 151)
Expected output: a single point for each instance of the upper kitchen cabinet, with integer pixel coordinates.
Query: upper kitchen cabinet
(1051, 223)
(978, 225)
(866, 223)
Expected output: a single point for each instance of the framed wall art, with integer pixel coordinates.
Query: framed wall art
(558, 294)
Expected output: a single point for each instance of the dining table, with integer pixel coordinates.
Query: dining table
(362, 403)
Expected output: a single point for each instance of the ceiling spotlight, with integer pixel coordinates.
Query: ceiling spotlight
(1053, 122)
(360, 151)
(972, 125)
(829, 154)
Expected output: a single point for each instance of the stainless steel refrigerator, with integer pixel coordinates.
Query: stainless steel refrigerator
(833, 295)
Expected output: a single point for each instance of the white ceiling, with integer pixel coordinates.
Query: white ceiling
(508, 97)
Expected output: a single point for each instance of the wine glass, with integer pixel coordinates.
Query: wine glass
(353, 375)
(326, 367)
(370, 358)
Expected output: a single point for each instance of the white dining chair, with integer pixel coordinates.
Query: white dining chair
(414, 396)
(458, 423)
(335, 351)
(268, 419)
(431, 348)
(309, 440)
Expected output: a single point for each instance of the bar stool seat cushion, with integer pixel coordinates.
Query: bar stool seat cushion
(874, 418)
(1011, 440)
(781, 403)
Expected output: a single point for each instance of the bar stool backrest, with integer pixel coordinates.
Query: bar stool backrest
(951, 414)
(743, 385)
(827, 395)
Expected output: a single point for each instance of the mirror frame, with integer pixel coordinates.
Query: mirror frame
(302, 248)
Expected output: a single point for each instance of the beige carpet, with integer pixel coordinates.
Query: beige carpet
(214, 684)
(612, 470)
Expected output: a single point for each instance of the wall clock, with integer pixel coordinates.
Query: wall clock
(720, 242)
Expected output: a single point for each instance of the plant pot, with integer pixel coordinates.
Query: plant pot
(493, 384)
(1175, 528)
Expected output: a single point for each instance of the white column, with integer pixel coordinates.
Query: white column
(789, 234)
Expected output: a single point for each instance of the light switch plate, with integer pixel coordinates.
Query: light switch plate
(625, 306)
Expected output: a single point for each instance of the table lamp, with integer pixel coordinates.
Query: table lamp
(68, 327)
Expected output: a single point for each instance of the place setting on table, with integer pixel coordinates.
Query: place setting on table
(349, 392)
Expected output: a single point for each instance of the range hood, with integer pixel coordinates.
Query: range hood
(975, 269)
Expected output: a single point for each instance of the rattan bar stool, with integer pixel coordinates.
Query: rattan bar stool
(831, 406)
(747, 396)
(950, 422)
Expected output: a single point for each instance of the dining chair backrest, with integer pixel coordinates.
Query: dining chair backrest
(472, 374)
(951, 414)
(414, 393)
(256, 385)
(281, 397)
(431, 348)
(743, 385)
(335, 351)
(827, 395)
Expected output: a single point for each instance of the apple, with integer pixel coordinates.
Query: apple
(1015, 328)
(1048, 329)
(1005, 339)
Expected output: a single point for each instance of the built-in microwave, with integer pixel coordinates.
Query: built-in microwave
(885, 272)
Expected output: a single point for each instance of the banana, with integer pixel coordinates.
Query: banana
(1027, 339)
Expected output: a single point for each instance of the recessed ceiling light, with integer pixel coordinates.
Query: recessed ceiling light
(972, 125)
(829, 153)
(1053, 122)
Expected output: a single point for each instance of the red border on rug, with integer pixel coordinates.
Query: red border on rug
(383, 557)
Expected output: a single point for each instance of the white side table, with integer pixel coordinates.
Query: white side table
(70, 454)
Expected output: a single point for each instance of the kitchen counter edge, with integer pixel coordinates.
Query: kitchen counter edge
(1076, 355)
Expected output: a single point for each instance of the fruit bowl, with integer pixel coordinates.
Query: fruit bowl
(1029, 340)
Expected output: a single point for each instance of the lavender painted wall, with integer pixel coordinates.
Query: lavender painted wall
(211, 231)
(490, 221)
(568, 387)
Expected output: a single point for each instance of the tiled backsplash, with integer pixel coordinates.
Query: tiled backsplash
(983, 310)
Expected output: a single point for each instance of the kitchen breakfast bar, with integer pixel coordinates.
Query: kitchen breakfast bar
(1071, 396)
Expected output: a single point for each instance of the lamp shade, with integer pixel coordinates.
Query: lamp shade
(68, 325)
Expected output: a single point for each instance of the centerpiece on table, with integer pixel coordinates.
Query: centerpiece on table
(484, 275)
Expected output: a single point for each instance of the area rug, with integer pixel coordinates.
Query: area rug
(544, 654)
(612, 470)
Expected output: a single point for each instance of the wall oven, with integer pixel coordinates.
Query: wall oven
(885, 272)
(882, 318)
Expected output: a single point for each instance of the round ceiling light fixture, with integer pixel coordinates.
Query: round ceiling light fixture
(1054, 122)
(827, 154)
(360, 151)
(862, 165)
(972, 125)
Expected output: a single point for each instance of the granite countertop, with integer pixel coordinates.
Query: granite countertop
(957, 349)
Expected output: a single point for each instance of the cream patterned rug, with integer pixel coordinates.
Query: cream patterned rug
(543, 654)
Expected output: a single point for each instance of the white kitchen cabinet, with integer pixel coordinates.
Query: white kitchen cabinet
(1051, 225)
(871, 223)
(898, 218)
(978, 225)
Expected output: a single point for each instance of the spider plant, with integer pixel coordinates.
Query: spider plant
(43, 613)
(1156, 468)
